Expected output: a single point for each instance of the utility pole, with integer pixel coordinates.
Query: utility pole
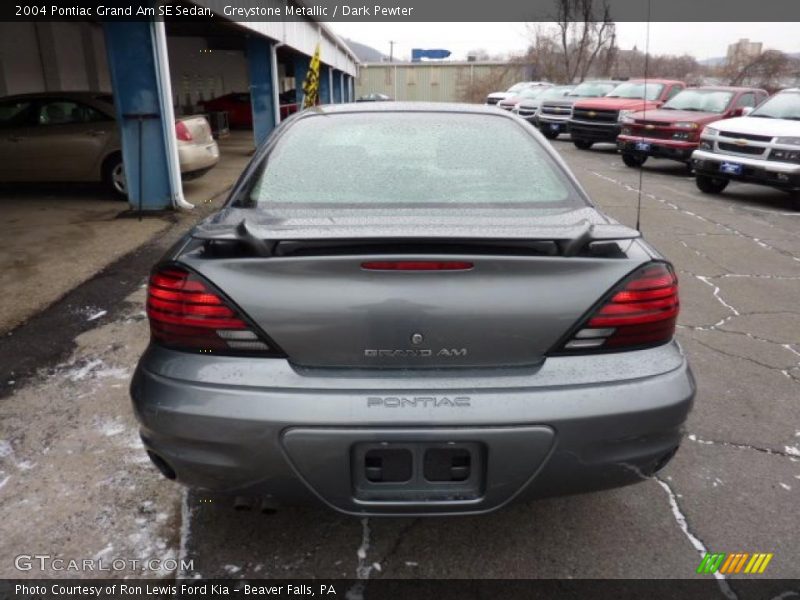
(391, 50)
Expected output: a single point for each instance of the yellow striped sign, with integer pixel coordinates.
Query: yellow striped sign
(311, 82)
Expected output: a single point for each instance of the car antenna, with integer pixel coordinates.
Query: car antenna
(644, 115)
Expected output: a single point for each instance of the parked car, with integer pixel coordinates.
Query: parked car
(555, 114)
(240, 110)
(528, 93)
(528, 107)
(673, 131)
(73, 136)
(237, 105)
(762, 147)
(374, 97)
(599, 119)
(434, 319)
(515, 89)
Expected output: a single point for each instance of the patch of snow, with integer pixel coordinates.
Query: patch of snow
(4, 481)
(411, 563)
(103, 552)
(5, 449)
(81, 373)
(792, 450)
(186, 534)
(111, 428)
(97, 315)
(232, 569)
(785, 486)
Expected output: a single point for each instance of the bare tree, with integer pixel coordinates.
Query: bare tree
(764, 70)
(473, 86)
(585, 29)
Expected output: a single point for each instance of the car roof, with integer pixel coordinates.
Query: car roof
(727, 88)
(652, 80)
(410, 107)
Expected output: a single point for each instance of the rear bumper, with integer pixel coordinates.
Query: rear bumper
(197, 157)
(754, 170)
(594, 132)
(297, 444)
(659, 148)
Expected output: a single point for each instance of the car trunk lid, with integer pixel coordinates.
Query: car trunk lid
(325, 294)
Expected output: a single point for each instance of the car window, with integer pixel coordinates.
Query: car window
(785, 105)
(14, 112)
(592, 89)
(635, 90)
(533, 92)
(674, 91)
(715, 101)
(67, 112)
(410, 159)
(748, 99)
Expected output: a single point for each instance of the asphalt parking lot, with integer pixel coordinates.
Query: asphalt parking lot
(73, 470)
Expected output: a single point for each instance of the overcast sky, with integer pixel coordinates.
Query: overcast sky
(702, 40)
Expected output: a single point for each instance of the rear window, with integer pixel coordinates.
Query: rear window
(409, 159)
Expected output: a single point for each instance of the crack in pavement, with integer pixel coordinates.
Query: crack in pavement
(784, 371)
(698, 544)
(790, 452)
(673, 206)
(398, 540)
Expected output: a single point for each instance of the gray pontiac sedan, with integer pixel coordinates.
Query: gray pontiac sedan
(411, 309)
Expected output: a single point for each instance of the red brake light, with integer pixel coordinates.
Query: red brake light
(417, 265)
(182, 132)
(642, 311)
(186, 313)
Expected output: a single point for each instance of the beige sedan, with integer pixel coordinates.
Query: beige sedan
(73, 136)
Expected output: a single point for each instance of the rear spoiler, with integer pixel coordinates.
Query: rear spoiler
(263, 241)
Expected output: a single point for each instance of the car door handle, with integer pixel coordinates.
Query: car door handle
(96, 132)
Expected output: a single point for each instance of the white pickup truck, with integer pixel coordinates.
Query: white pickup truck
(762, 147)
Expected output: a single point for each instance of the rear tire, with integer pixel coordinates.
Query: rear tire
(633, 160)
(582, 144)
(114, 176)
(549, 134)
(710, 185)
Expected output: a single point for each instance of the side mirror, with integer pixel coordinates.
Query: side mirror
(746, 110)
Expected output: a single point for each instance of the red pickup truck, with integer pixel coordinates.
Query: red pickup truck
(598, 119)
(673, 131)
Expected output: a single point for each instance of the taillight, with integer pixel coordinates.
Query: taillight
(642, 311)
(182, 132)
(186, 313)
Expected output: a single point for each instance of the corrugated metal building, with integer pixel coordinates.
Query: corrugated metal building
(439, 81)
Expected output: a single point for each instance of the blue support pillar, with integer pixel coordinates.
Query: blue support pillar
(262, 92)
(301, 63)
(135, 82)
(337, 87)
(325, 85)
